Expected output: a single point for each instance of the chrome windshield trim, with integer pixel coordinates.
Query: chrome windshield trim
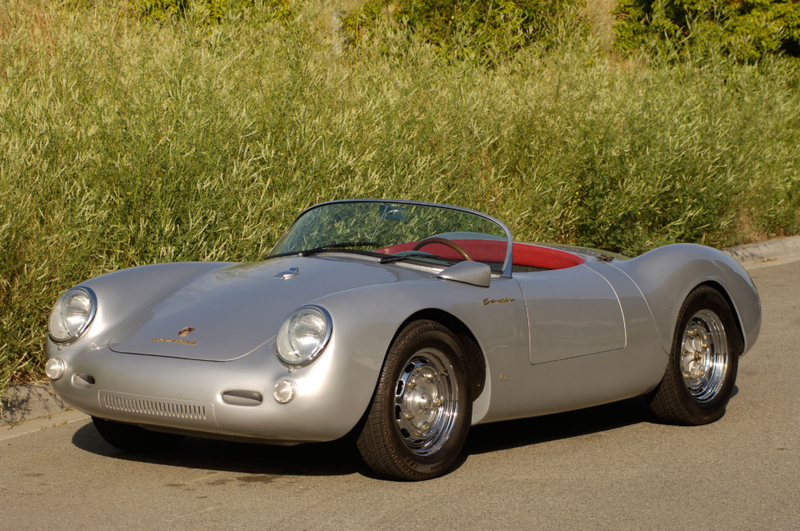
(509, 240)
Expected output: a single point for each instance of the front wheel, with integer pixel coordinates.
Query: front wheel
(701, 373)
(421, 412)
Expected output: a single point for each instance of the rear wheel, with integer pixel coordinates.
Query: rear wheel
(134, 439)
(421, 411)
(704, 360)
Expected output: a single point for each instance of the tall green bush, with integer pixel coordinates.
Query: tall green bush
(211, 11)
(476, 29)
(746, 29)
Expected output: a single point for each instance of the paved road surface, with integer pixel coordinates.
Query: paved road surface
(607, 467)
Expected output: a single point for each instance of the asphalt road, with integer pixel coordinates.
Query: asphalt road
(607, 467)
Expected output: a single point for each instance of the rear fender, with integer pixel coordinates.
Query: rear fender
(668, 274)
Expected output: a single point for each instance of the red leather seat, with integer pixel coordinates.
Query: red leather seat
(524, 254)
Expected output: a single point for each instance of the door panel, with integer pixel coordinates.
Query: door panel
(573, 312)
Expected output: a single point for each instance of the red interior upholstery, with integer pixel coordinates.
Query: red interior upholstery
(545, 257)
(524, 254)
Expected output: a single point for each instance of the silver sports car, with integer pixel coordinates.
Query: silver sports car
(402, 324)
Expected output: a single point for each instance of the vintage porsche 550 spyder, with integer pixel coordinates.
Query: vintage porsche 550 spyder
(402, 323)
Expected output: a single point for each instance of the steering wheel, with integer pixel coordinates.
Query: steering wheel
(453, 245)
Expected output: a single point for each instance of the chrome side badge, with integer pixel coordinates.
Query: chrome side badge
(496, 301)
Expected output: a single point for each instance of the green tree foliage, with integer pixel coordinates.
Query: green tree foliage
(746, 29)
(209, 10)
(483, 29)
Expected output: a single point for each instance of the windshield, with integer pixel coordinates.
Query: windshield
(398, 231)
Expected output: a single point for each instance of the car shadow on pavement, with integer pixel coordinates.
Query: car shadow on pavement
(529, 431)
(335, 458)
(339, 458)
(525, 432)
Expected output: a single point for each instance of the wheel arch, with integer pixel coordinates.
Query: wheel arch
(473, 357)
(719, 288)
(667, 275)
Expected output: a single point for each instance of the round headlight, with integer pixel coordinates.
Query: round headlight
(72, 314)
(303, 335)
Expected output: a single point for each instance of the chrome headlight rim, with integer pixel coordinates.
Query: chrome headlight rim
(81, 330)
(321, 345)
(55, 368)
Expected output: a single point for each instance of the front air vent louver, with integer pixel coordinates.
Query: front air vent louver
(153, 407)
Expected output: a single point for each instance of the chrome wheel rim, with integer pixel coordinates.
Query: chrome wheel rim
(426, 402)
(704, 355)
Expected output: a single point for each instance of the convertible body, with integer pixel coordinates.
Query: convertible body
(406, 322)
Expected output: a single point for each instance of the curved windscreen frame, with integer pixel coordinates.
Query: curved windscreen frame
(297, 238)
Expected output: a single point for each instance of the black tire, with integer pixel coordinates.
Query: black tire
(421, 411)
(134, 439)
(707, 345)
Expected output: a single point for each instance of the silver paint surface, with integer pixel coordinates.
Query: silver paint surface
(573, 312)
(551, 340)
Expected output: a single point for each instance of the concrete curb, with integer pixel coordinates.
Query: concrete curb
(29, 401)
(754, 255)
(23, 403)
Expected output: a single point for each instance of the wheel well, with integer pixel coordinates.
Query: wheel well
(474, 362)
(718, 287)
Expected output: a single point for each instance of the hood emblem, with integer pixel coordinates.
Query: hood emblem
(183, 332)
(181, 341)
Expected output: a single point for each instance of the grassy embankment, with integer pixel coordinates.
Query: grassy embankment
(123, 144)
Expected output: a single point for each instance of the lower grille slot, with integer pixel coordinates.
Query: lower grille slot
(153, 407)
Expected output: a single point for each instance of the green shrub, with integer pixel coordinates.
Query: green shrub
(746, 29)
(212, 11)
(475, 29)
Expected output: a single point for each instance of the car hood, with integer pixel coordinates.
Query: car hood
(233, 311)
